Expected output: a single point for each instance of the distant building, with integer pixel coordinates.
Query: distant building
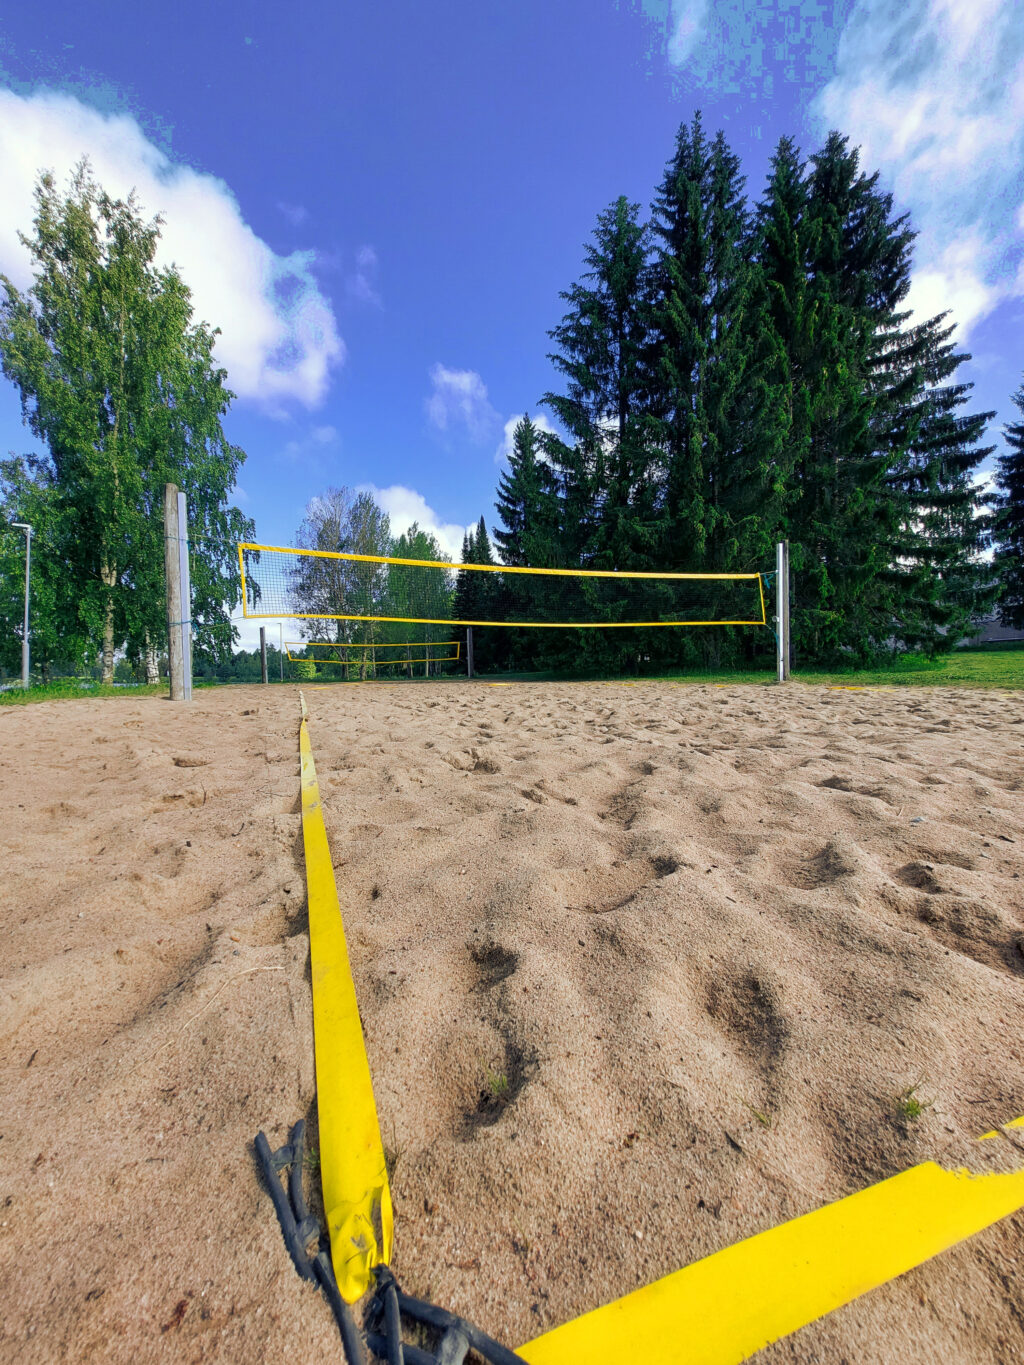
(990, 631)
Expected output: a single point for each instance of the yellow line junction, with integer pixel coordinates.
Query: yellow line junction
(717, 1311)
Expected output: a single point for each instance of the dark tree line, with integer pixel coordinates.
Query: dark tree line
(732, 374)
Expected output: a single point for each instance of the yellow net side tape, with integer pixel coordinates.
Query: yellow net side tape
(357, 1198)
(725, 1308)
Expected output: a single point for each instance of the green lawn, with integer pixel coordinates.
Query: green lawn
(964, 668)
(67, 689)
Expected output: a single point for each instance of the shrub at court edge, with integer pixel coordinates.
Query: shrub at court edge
(119, 382)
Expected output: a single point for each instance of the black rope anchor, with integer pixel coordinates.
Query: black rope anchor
(457, 1335)
(300, 1227)
(383, 1313)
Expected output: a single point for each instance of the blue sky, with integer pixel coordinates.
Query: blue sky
(379, 204)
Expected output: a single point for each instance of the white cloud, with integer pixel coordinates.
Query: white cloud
(404, 506)
(954, 279)
(306, 450)
(279, 341)
(687, 21)
(361, 285)
(459, 399)
(296, 214)
(933, 93)
(505, 449)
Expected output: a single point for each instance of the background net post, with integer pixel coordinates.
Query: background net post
(782, 607)
(469, 651)
(172, 573)
(185, 581)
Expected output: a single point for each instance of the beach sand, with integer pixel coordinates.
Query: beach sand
(643, 970)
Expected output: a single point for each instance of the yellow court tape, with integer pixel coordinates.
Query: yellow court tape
(720, 1310)
(357, 1198)
(855, 687)
(725, 1308)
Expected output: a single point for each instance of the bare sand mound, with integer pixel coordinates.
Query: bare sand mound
(643, 970)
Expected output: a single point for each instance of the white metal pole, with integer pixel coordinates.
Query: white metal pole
(172, 572)
(280, 647)
(782, 608)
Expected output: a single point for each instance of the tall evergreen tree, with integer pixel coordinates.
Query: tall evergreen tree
(701, 351)
(909, 565)
(816, 344)
(1008, 524)
(607, 469)
(527, 503)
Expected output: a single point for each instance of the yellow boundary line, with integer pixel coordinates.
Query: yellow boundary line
(718, 1311)
(357, 1198)
(725, 1308)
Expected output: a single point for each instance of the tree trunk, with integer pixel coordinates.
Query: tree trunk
(152, 664)
(109, 577)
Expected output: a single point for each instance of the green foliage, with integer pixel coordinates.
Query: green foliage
(736, 377)
(910, 1106)
(119, 385)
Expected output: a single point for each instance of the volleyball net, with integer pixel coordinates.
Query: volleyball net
(377, 652)
(322, 586)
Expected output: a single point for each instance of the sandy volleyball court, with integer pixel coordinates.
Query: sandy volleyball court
(643, 970)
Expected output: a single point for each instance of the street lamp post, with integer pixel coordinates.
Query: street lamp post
(24, 526)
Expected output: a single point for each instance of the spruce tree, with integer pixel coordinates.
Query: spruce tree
(705, 393)
(702, 283)
(607, 470)
(527, 503)
(1008, 524)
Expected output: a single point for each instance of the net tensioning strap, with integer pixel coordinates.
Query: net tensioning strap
(279, 581)
(331, 651)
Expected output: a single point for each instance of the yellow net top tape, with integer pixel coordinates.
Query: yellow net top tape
(448, 621)
(357, 1197)
(480, 568)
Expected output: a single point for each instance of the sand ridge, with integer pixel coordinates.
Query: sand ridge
(642, 971)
